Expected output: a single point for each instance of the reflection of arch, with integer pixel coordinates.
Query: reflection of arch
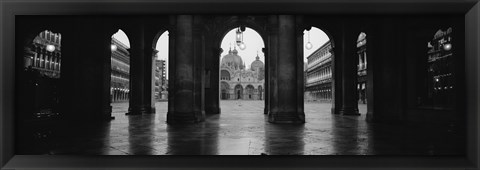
(224, 75)
(224, 90)
(250, 92)
(238, 91)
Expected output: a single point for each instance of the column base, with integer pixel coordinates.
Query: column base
(138, 110)
(152, 110)
(213, 110)
(369, 117)
(200, 116)
(286, 117)
(183, 118)
(107, 114)
(349, 112)
(107, 117)
(333, 111)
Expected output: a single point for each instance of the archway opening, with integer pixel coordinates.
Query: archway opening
(362, 72)
(120, 72)
(242, 69)
(318, 69)
(38, 88)
(160, 70)
(42, 67)
(439, 87)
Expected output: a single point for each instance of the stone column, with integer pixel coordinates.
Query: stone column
(182, 110)
(199, 68)
(345, 85)
(212, 99)
(151, 63)
(287, 82)
(139, 53)
(272, 91)
(299, 67)
(171, 63)
(266, 80)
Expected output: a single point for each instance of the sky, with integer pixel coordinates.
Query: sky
(251, 38)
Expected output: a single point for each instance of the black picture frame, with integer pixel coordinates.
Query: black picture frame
(10, 9)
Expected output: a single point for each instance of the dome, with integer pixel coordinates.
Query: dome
(257, 63)
(232, 58)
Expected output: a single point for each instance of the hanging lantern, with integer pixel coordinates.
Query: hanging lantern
(238, 37)
(309, 45)
(242, 46)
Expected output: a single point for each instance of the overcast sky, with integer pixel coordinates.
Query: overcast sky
(251, 38)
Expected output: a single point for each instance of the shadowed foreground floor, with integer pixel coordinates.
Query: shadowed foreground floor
(242, 129)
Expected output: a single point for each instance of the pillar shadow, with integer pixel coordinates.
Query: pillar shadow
(350, 136)
(194, 139)
(141, 134)
(284, 139)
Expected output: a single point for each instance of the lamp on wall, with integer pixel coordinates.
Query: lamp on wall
(309, 45)
(447, 47)
(113, 47)
(50, 48)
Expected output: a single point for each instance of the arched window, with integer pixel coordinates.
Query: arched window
(224, 75)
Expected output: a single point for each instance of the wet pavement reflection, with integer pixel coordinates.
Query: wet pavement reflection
(242, 129)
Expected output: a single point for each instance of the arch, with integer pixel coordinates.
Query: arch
(120, 62)
(233, 22)
(253, 38)
(42, 51)
(249, 92)
(161, 43)
(122, 37)
(225, 75)
(317, 76)
(238, 91)
(161, 35)
(225, 88)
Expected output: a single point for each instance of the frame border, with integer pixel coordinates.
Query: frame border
(9, 9)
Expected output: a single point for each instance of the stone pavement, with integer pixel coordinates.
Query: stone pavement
(242, 129)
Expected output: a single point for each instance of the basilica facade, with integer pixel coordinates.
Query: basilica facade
(238, 82)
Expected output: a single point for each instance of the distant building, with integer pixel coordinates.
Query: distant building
(161, 85)
(318, 85)
(238, 82)
(362, 68)
(41, 77)
(440, 81)
(120, 76)
(44, 55)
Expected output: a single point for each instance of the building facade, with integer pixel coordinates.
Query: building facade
(362, 68)
(161, 86)
(318, 85)
(238, 82)
(120, 76)
(440, 80)
(42, 63)
(44, 55)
